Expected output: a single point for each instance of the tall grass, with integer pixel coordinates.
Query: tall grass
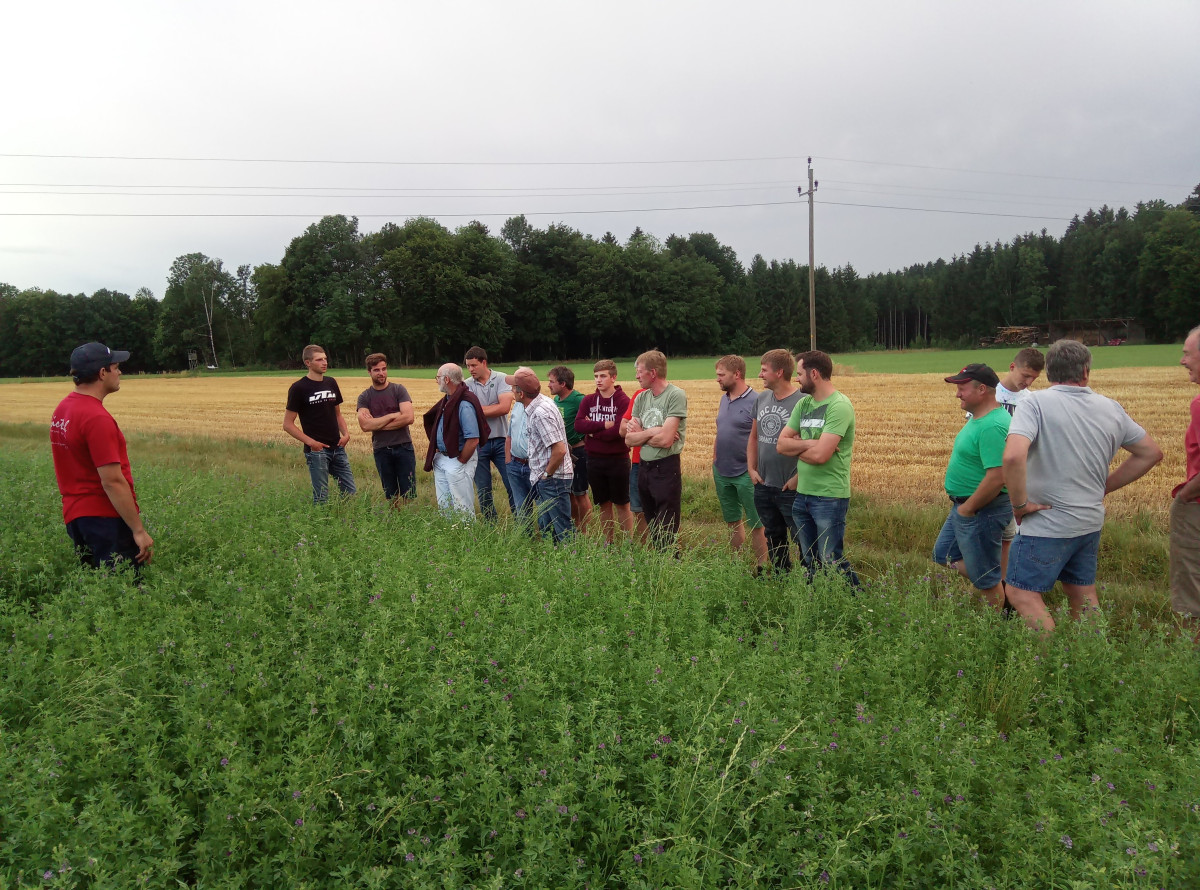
(355, 696)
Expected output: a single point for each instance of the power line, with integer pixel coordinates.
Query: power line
(610, 163)
(532, 212)
(389, 197)
(73, 157)
(353, 188)
(998, 172)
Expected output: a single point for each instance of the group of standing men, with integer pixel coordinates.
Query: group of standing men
(781, 461)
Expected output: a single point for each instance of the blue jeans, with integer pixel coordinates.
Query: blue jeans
(491, 453)
(975, 540)
(821, 526)
(774, 506)
(521, 488)
(397, 466)
(553, 498)
(1035, 563)
(329, 462)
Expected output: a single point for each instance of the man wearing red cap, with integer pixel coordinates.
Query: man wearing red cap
(91, 465)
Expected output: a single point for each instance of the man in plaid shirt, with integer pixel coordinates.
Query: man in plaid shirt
(550, 469)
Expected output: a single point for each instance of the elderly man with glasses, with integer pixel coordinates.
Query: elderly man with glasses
(455, 426)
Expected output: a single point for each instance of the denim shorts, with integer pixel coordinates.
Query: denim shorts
(1034, 564)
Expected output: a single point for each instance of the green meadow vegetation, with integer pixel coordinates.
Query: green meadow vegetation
(362, 697)
(911, 361)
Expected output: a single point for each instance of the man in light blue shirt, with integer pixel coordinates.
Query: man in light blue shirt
(516, 456)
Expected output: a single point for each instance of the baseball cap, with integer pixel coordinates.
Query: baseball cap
(526, 380)
(977, 372)
(90, 358)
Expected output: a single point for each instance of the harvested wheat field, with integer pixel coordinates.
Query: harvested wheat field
(906, 422)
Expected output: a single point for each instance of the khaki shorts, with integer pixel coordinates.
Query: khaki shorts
(1185, 558)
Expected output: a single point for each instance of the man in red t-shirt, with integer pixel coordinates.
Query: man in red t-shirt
(1185, 510)
(91, 465)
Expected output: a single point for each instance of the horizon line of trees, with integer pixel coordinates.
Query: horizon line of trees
(423, 294)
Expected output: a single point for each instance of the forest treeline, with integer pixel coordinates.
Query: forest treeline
(423, 293)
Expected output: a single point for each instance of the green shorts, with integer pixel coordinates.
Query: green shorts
(736, 494)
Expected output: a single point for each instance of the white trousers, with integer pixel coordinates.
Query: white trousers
(454, 483)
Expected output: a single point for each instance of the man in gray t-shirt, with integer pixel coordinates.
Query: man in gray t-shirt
(774, 474)
(1056, 465)
(496, 398)
(385, 410)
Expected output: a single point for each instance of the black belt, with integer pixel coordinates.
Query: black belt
(955, 500)
(520, 460)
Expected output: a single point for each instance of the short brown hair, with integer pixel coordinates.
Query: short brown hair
(780, 361)
(375, 358)
(605, 364)
(476, 352)
(734, 363)
(1030, 358)
(563, 375)
(310, 350)
(815, 360)
(653, 361)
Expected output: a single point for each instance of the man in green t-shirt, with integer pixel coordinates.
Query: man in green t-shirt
(970, 540)
(657, 425)
(820, 435)
(568, 399)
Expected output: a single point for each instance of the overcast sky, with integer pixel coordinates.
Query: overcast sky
(239, 124)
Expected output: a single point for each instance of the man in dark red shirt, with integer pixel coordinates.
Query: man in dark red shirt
(91, 465)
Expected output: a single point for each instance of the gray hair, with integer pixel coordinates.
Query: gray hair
(1192, 333)
(452, 373)
(1068, 361)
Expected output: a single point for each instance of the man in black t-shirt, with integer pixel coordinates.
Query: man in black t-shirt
(313, 399)
(385, 410)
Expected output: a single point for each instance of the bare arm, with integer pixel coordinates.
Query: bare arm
(1016, 456)
(558, 451)
(752, 453)
(665, 435)
(467, 450)
(790, 444)
(1144, 455)
(820, 450)
(120, 495)
(502, 406)
(508, 449)
(989, 487)
(343, 429)
(289, 427)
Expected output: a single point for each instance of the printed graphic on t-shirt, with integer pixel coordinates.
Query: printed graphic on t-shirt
(652, 416)
(771, 421)
(321, 396)
(813, 422)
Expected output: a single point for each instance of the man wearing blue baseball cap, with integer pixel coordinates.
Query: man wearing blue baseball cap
(91, 465)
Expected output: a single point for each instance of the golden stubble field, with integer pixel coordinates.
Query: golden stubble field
(906, 422)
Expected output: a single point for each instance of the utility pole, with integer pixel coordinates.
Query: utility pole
(209, 306)
(812, 272)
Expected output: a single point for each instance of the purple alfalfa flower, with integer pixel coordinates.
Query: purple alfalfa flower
(902, 834)
(563, 810)
(637, 858)
(916, 793)
(659, 850)
(960, 673)
(521, 814)
(824, 877)
(299, 823)
(295, 795)
(1058, 757)
(833, 746)
(409, 857)
(1131, 851)
(47, 875)
(1066, 841)
(1152, 847)
(224, 761)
